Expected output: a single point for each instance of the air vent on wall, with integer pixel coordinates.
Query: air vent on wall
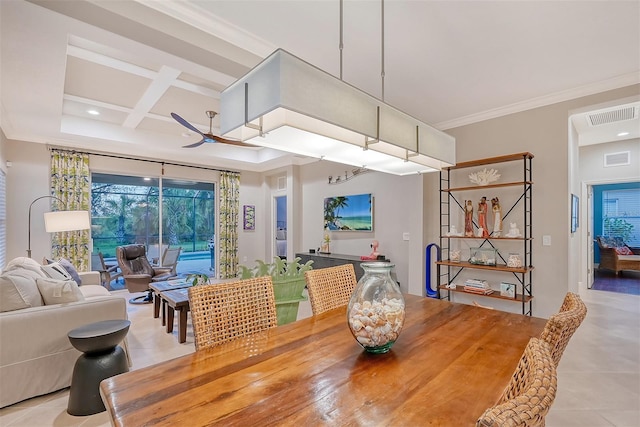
(617, 159)
(612, 116)
(282, 183)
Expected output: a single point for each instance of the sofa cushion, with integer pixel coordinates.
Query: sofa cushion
(56, 271)
(71, 270)
(623, 250)
(59, 291)
(24, 263)
(90, 291)
(18, 291)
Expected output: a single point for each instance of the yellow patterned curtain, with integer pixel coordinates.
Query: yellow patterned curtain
(229, 213)
(70, 183)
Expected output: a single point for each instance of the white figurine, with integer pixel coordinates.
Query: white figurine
(480, 232)
(453, 232)
(513, 230)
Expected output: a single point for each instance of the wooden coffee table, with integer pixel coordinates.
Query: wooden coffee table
(173, 300)
(159, 287)
(176, 300)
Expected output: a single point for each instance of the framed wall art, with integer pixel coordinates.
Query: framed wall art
(249, 217)
(349, 213)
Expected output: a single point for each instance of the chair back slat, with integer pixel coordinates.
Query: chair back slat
(530, 393)
(561, 326)
(226, 311)
(330, 287)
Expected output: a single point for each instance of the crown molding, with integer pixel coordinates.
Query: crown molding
(554, 98)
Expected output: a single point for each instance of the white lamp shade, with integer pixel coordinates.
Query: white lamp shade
(66, 221)
(307, 111)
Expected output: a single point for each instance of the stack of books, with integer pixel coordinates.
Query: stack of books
(477, 286)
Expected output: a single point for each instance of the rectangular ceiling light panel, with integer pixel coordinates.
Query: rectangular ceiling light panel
(285, 91)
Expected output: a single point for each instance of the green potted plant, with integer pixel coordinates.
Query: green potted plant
(197, 279)
(288, 284)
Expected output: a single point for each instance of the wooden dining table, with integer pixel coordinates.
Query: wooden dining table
(450, 363)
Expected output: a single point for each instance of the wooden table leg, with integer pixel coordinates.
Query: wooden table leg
(156, 305)
(182, 325)
(164, 312)
(170, 312)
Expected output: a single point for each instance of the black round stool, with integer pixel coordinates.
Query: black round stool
(102, 358)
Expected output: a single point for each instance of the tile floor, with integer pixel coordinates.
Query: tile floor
(598, 378)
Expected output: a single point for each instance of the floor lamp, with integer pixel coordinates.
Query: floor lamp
(58, 221)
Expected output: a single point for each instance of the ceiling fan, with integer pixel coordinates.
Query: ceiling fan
(207, 137)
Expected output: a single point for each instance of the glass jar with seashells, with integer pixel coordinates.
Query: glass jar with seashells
(484, 177)
(375, 312)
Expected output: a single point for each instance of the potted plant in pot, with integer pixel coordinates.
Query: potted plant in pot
(288, 284)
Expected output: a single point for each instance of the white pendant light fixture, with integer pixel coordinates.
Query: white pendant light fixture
(288, 104)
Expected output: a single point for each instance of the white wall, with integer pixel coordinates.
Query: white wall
(27, 179)
(592, 168)
(3, 155)
(251, 243)
(397, 209)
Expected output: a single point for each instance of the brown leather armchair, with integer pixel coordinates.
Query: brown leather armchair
(138, 272)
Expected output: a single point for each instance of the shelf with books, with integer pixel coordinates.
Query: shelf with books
(495, 294)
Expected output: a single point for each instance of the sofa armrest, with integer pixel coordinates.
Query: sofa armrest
(90, 277)
(38, 331)
(36, 356)
(137, 276)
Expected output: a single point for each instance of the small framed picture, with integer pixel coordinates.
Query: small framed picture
(249, 217)
(508, 290)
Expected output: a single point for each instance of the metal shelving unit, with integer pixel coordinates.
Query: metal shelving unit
(449, 270)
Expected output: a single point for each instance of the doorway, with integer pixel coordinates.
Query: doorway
(280, 219)
(616, 213)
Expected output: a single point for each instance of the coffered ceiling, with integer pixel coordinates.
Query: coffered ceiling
(446, 62)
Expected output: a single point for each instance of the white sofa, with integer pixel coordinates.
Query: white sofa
(36, 356)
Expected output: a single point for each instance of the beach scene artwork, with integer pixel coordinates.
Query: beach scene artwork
(349, 213)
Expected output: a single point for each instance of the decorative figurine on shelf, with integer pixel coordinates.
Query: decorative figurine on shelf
(453, 232)
(468, 218)
(480, 232)
(497, 217)
(374, 253)
(324, 248)
(513, 230)
(484, 177)
(482, 217)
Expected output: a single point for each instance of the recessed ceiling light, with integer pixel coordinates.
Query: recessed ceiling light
(623, 134)
(93, 112)
(147, 179)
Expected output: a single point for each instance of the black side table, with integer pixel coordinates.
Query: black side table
(102, 358)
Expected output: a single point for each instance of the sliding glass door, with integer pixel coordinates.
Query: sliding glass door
(128, 209)
(188, 219)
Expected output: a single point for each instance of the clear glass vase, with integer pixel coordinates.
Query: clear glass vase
(376, 309)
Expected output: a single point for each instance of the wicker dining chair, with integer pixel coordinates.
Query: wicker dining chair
(530, 393)
(561, 326)
(330, 287)
(226, 311)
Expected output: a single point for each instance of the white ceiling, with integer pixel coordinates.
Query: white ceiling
(447, 63)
